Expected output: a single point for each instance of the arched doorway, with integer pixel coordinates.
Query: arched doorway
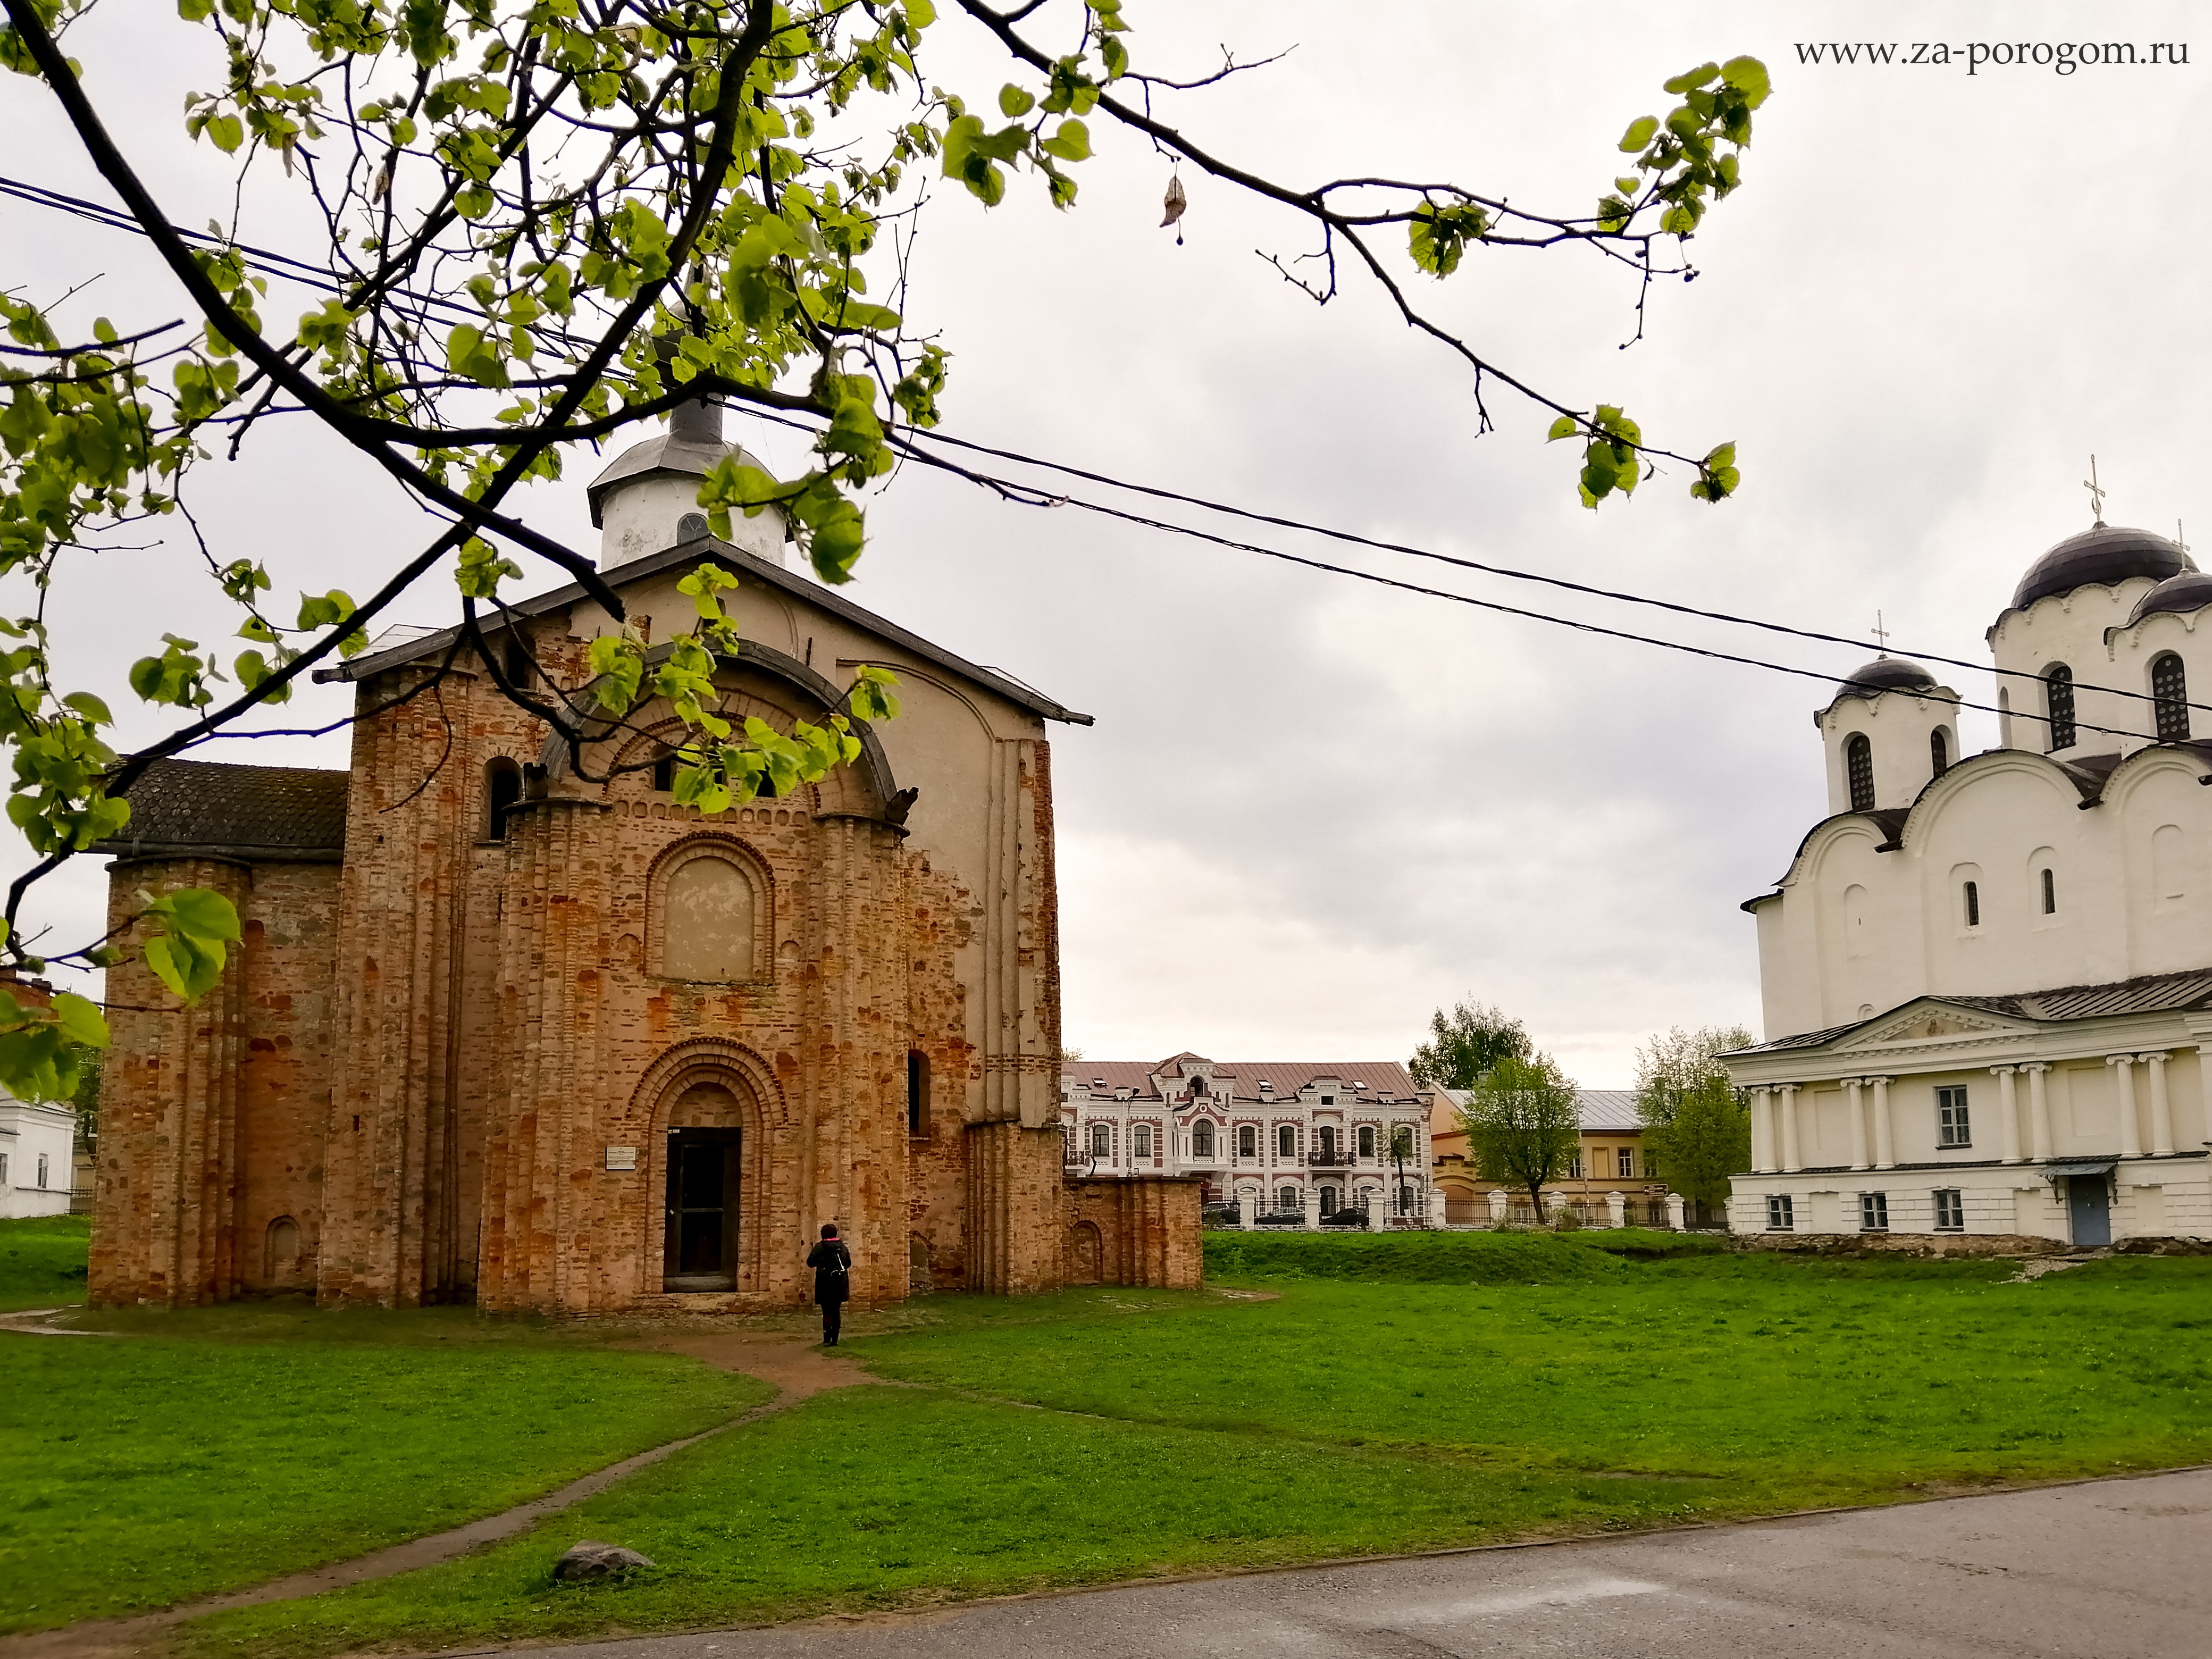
(701, 1231)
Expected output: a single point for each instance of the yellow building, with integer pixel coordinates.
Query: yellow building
(1610, 1161)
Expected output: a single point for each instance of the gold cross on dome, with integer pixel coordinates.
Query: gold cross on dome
(2096, 491)
(1881, 633)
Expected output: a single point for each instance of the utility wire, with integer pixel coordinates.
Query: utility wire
(1512, 574)
(284, 265)
(1028, 497)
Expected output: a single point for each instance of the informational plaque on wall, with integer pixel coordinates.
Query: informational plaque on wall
(621, 1158)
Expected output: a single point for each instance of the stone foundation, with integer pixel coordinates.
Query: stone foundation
(1931, 1245)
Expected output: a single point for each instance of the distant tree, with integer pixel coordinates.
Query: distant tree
(1696, 1128)
(1521, 1124)
(1467, 1042)
(1706, 1140)
(85, 1103)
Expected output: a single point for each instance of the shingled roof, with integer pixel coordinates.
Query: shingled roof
(2188, 990)
(275, 813)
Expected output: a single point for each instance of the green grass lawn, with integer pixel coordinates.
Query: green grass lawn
(42, 1261)
(1400, 1393)
(211, 1450)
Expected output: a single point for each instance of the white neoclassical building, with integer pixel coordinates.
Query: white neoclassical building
(1287, 1137)
(37, 1146)
(1988, 979)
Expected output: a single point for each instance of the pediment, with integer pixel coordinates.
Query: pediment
(1931, 1022)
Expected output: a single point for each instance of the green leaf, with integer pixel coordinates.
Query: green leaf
(1748, 76)
(1690, 80)
(1639, 134)
(80, 1020)
(1564, 427)
(1014, 102)
(1071, 142)
(188, 956)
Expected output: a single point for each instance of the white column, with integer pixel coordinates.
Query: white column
(1245, 1211)
(1885, 1142)
(1497, 1203)
(1790, 1161)
(2161, 1108)
(1313, 1209)
(2039, 1107)
(2008, 1111)
(1616, 1209)
(2124, 1067)
(1852, 1089)
(1762, 1130)
(1674, 1208)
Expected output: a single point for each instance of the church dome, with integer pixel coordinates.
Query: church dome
(1888, 674)
(2103, 553)
(692, 447)
(2191, 591)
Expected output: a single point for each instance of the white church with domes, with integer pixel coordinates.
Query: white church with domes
(1987, 978)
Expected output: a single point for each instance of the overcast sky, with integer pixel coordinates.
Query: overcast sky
(1313, 810)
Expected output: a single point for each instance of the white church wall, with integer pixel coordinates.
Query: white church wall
(2166, 841)
(2069, 629)
(1897, 726)
(2130, 651)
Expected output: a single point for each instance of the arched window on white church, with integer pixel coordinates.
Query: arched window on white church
(2169, 683)
(1202, 1139)
(1939, 750)
(2059, 697)
(1858, 771)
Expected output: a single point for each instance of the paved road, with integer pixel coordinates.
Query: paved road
(2113, 1570)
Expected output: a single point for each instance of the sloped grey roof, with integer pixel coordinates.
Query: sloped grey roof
(747, 564)
(295, 813)
(1607, 1108)
(1598, 1111)
(2149, 993)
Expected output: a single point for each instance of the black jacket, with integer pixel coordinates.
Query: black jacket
(833, 1270)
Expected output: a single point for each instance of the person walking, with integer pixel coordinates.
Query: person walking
(833, 1280)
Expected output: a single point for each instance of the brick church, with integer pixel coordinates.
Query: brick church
(512, 1027)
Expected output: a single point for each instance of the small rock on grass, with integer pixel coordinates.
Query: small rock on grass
(591, 1558)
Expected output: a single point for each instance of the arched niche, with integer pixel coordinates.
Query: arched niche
(283, 1253)
(1087, 1254)
(710, 914)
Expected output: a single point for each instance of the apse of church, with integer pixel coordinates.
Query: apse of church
(512, 1026)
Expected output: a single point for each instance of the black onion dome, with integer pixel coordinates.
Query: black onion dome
(2104, 553)
(2189, 590)
(1888, 674)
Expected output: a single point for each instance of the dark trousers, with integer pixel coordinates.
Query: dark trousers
(833, 1315)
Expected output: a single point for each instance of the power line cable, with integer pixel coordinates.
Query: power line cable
(1027, 497)
(284, 265)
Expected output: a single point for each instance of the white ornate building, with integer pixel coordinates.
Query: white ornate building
(1291, 1136)
(1988, 980)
